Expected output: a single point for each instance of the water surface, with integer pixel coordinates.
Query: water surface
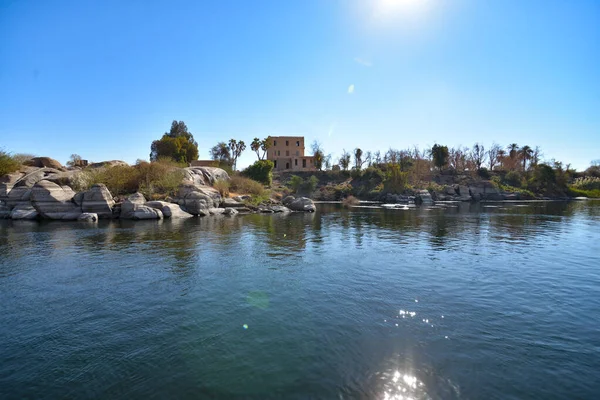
(466, 302)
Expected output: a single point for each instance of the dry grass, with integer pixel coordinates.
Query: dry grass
(239, 184)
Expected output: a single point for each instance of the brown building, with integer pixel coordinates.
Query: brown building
(287, 152)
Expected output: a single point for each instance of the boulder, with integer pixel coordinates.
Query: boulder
(233, 203)
(88, 217)
(451, 190)
(216, 211)
(464, 194)
(230, 211)
(18, 196)
(197, 199)
(423, 197)
(112, 163)
(42, 162)
(23, 179)
(301, 204)
(169, 210)
(134, 208)
(53, 201)
(273, 209)
(24, 212)
(97, 200)
(204, 175)
(288, 200)
(485, 191)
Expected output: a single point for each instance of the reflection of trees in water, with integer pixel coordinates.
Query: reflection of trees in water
(286, 232)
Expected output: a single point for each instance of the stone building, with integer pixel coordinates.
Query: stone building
(287, 153)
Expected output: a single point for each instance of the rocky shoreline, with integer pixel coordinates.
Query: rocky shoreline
(42, 191)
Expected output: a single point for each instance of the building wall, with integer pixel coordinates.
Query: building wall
(287, 152)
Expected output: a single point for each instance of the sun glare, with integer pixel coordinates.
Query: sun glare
(399, 8)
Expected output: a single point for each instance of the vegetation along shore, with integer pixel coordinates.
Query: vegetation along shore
(168, 186)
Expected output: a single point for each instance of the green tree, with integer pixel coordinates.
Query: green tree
(440, 155)
(261, 171)
(526, 153)
(236, 150)
(220, 152)
(344, 160)
(177, 144)
(258, 145)
(358, 161)
(318, 155)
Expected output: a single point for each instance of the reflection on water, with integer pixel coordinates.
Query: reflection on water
(459, 301)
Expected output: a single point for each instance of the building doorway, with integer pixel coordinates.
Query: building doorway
(287, 165)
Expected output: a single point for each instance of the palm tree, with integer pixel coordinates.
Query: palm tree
(512, 150)
(526, 153)
(501, 154)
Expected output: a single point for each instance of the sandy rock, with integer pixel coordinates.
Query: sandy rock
(300, 204)
(53, 201)
(169, 210)
(197, 199)
(108, 164)
(204, 175)
(134, 208)
(42, 162)
(97, 200)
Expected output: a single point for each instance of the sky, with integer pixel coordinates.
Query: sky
(103, 79)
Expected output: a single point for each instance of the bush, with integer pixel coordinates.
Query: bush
(513, 178)
(299, 185)
(576, 192)
(7, 163)
(241, 185)
(395, 180)
(484, 173)
(587, 183)
(22, 157)
(261, 171)
(350, 201)
(223, 187)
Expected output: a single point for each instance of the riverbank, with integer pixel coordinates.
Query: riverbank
(44, 189)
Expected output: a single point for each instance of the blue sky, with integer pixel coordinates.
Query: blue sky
(105, 78)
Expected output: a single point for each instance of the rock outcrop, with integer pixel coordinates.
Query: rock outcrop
(299, 204)
(197, 199)
(97, 200)
(134, 208)
(111, 163)
(24, 212)
(53, 201)
(423, 197)
(88, 217)
(204, 175)
(41, 162)
(169, 210)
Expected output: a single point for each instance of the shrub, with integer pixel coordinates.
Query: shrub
(223, 187)
(513, 178)
(395, 180)
(577, 192)
(484, 173)
(295, 183)
(242, 185)
(261, 171)
(587, 183)
(22, 157)
(7, 163)
(350, 201)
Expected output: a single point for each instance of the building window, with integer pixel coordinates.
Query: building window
(287, 165)
(287, 142)
(275, 164)
(304, 163)
(296, 162)
(287, 153)
(278, 152)
(297, 143)
(274, 142)
(297, 152)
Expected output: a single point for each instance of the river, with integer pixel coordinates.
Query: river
(472, 301)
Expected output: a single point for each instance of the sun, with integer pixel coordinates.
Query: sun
(400, 7)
